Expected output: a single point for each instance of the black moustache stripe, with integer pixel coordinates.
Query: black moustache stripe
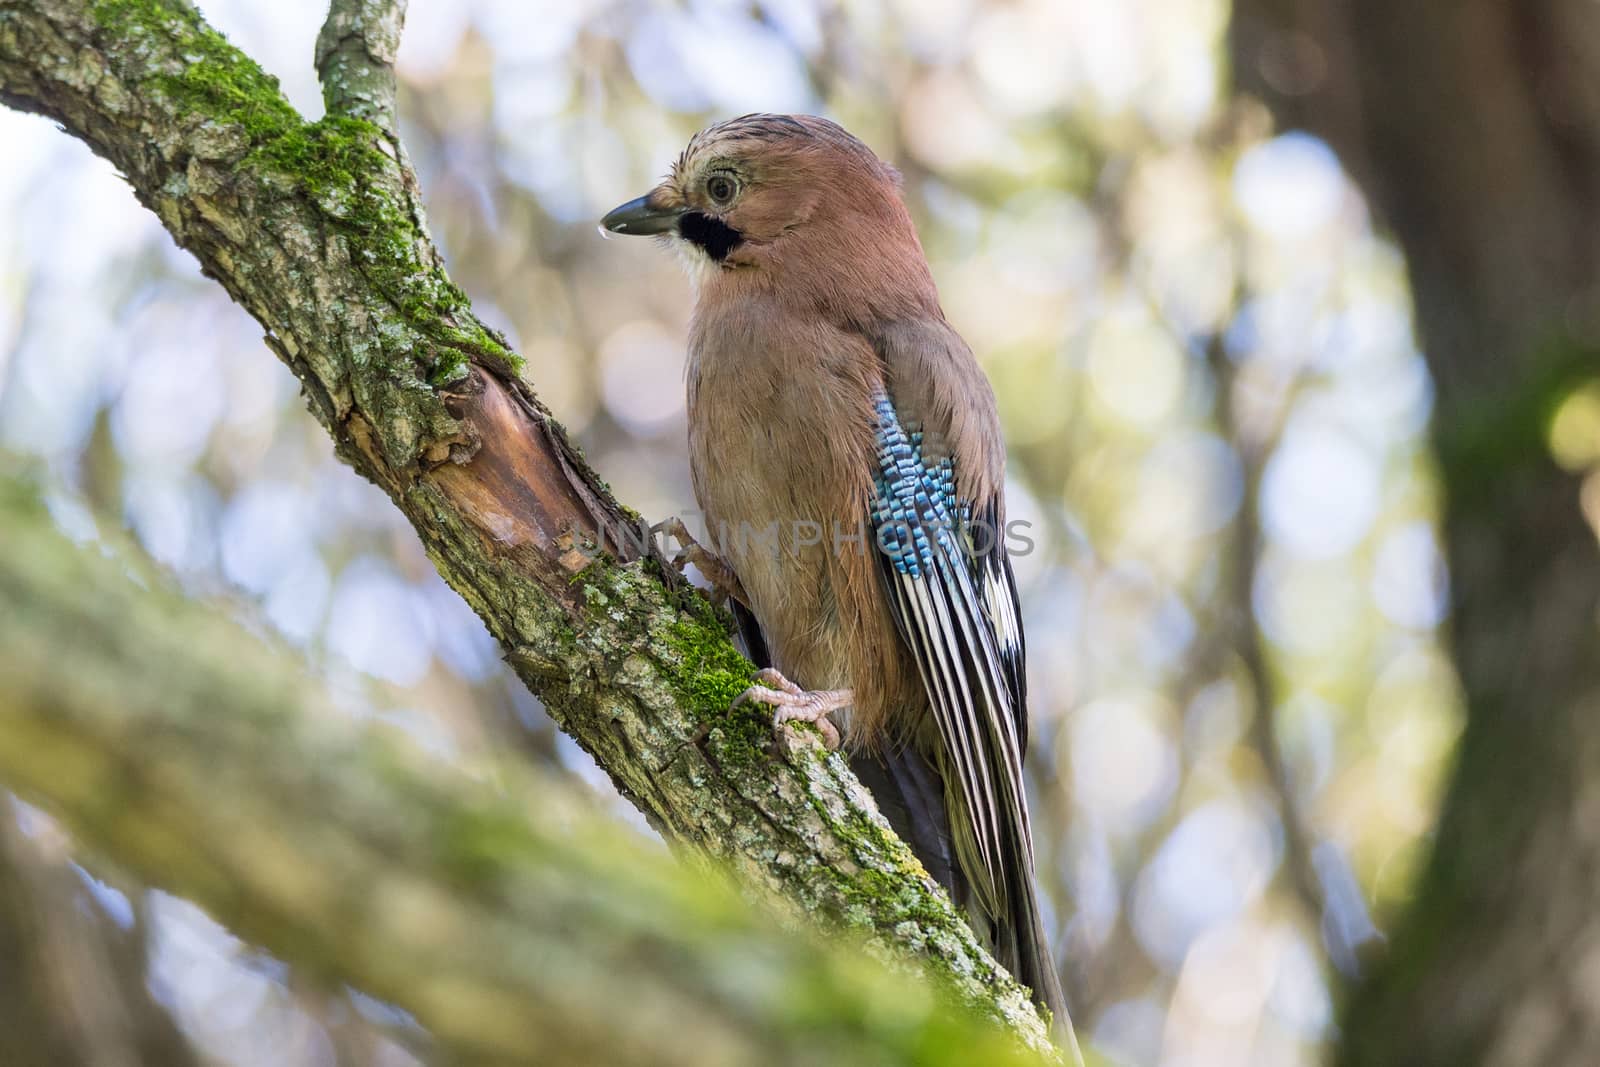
(713, 235)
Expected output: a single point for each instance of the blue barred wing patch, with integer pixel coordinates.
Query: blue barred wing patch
(915, 510)
(955, 609)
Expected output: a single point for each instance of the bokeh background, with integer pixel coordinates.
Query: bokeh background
(1205, 364)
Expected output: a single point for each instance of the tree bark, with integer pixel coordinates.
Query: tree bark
(516, 923)
(1475, 129)
(317, 230)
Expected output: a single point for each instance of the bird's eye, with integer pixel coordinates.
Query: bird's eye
(721, 188)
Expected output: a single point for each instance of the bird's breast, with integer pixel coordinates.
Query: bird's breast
(780, 450)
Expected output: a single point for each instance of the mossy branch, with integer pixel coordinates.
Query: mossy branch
(514, 921)
(317, 230)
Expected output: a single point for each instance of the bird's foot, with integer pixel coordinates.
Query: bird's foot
(724, 582)
(794, 704)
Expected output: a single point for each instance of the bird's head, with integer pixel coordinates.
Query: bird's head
(776, 195)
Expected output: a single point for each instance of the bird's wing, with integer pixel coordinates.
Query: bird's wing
(938, 508)
(1003, 609)
(956, 608)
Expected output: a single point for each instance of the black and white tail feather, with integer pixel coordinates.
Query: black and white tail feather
(954, 599)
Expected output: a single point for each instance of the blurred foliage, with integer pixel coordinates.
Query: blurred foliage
(1205, 365)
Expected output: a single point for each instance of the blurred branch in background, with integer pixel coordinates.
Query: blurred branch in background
(515, 922)
(1241, 634)
(73, 988)
(316, 229)
(1233, 642)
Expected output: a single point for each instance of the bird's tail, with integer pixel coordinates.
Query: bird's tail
(1021, 947)
(910, 792)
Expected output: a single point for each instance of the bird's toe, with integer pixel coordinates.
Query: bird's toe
(809, 710)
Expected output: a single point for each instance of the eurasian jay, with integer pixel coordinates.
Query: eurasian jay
(845, 451)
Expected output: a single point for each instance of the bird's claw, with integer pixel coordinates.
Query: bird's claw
(794, 704)
(774, 679)
(725, 583)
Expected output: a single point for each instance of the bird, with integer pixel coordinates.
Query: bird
(846, 454)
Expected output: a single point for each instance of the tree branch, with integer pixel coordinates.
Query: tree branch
(1243, 632)
(510, 919)
(316, 229)
(355, 58)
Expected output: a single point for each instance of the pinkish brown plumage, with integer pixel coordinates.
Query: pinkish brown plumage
(826, 390)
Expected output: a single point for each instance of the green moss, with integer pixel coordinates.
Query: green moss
(705, 671)
(216, 79)
(712, 676)
(337, 162)
(891, 887)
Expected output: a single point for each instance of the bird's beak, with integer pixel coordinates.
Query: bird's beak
(641, 217)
